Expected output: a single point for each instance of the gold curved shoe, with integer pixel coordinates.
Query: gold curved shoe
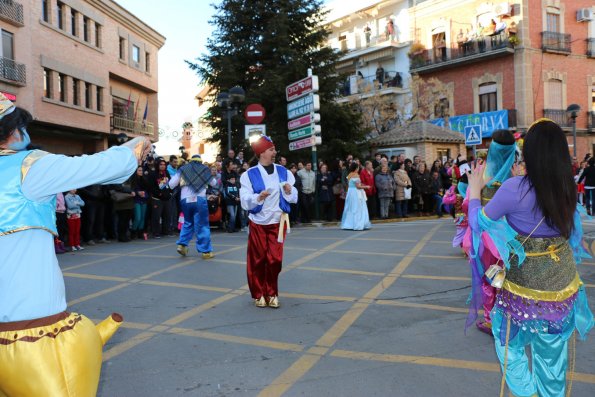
(208, 255)
(182, 250)
(274, 302)
(260, 302)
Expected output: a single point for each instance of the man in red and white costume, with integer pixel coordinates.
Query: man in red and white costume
(266, 192)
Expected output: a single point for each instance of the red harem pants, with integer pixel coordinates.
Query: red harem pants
(74, 231)
(264, 259)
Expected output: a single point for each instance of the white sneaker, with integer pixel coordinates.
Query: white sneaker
(79, 248)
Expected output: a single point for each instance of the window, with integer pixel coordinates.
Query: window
(76, 85)
(45, 11)
(61, 87)
(554, 96)
(88, 95)
(122, 48)
(99, 102)
(135, 54)
(441, 108)
(443, 154)
(59, 15)
(7, 45)
(488, 97)
(85, 28)
(73, 15)
(552, 22)
(593, 99)
(123, 108)
(97, 35)
(147, 62)
(47, 83)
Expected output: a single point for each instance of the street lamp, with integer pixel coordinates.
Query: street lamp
(572, 112)
(231, 101)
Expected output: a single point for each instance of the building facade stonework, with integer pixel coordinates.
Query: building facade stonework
(86, 70)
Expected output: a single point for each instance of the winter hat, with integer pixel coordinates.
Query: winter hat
(262, 144)
(196, 158)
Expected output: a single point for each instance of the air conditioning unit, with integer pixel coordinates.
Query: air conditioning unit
(584, 14)
(361, 63)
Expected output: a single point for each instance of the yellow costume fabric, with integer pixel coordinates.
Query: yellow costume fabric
(58, 359)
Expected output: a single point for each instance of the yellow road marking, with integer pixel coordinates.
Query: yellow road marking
(98, 294)
(331, 270)
(290, 375)
(443, 257)
(305, 363)
(419, 276)
(367, 253)
(198, 309)
(183, 285)
(120, 348)
(94, 277)
(237, 339)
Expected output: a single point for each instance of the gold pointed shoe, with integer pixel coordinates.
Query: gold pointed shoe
(208, 255)
(274, 302)
(260, 302)
(182, 250)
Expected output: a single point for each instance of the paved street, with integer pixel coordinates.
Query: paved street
(372, 313)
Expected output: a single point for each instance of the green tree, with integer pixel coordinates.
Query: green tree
(263, 46)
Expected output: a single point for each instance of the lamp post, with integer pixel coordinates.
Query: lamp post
(231, 101)
(572, 112)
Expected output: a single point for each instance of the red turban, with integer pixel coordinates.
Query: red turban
(262, 144)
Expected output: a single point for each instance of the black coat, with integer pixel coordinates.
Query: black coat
(324, 185)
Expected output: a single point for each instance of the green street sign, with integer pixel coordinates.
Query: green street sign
(300, 133)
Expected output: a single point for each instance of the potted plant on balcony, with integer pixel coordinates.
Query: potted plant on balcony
(416, 54)
(514, 40)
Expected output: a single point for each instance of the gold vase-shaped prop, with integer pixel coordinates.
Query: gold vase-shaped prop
(109, 326)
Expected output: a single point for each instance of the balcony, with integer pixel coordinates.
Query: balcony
(555, 42)
(591, 117)
(591, 48)
(558, 116)
(12, 12)
(128, 125)
(13, 72)
(367, 86)
(471, 51)
(377, 48)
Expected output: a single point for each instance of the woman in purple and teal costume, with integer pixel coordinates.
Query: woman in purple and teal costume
(535, 226)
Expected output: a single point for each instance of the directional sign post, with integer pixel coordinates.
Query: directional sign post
(473, 137)
(301, 107)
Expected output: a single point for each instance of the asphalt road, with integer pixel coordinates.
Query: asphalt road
(371, 313)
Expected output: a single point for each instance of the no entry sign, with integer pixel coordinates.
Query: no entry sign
(254, 113)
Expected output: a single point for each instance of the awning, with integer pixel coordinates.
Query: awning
(386, 53)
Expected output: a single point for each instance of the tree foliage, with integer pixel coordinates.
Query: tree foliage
(263, 46)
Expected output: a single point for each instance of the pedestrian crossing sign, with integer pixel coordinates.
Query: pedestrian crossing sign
(473, 135)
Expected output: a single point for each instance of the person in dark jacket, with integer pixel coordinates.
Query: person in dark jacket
(123, 199)
(231, 194)
(422, 191)
(324, 186)
(294, 214)
(141, 198)
(160, 194)
(588, 176)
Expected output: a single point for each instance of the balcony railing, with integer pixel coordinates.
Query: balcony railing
(556, 42)
(592, 121)
(484, 46)
(591, 48)
(133, 126)
(558, 116)
(359, 84)
(12, 12)
(13, 71)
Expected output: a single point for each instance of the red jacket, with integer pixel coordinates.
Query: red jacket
(367, 178)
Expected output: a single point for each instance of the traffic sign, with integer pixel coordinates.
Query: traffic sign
(473, 135)
(300, 88)
(254, 129)
(304, 132)
(302, 106)
(254, 113)
(304, 143)
(303, 121)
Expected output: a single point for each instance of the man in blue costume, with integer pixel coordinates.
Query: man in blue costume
(45, 350)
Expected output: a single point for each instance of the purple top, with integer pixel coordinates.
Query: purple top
(518, 203)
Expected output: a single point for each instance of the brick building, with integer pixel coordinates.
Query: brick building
(86, 70)
(514, 61)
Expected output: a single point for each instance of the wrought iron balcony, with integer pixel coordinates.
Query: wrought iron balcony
(592, 121)
(12, 71)
(555, 42)
(558, 116)
(591, 48)
(12, 12)
(133, 126)
(469, 51)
